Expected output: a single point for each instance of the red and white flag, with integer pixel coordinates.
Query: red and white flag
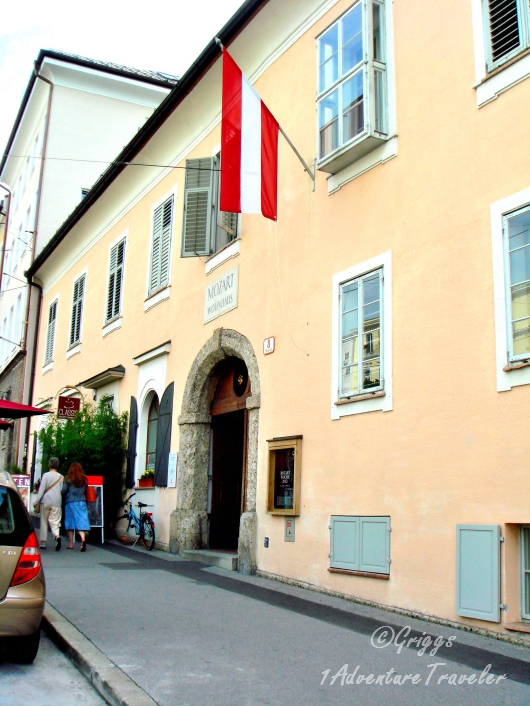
(249, 147)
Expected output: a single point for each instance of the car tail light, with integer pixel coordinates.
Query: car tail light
(29, 563)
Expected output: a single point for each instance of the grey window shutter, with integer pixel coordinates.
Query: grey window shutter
(77, 310)
(161, 250)
(131, 445)
(374, 544)
(344, 542)
(504, 28)
(163, 436)
(198, 207)
(117, 258)
(50, 336)
(478, 571)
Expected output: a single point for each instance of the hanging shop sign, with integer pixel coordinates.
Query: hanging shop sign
(68, 407)
(221, 295)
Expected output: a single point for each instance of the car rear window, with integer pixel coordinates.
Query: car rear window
(15, 524)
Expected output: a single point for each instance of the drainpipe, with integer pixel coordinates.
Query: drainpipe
(30, 281)
(6, 188)
(33, 364)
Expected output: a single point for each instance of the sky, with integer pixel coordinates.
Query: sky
(160, 35)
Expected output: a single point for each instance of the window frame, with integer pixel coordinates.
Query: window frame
(76, 319)
(359, 345)
(213, 217)
(523, 24)
(369, 138)
(160, 204)
(114, 316)
(370, 399)
(512, 357)
(49, 345)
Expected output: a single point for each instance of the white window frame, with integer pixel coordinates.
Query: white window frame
(76, 279)
(172, 193)
(372, 399)
(524, 615)
(49, 359)
(506, 377)
(370, 147)
(492, 79)
(116, 318)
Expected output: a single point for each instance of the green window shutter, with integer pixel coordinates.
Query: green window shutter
(77, 310)
(163, 436)
(344, 542)
(161, 250)
(198, 207)
(50, 335)
(478, 571)
(374, 545)
(117, 258)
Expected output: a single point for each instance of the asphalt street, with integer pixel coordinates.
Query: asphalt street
(192, 635)
(52, 680)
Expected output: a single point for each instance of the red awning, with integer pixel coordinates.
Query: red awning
(4, 424)
(15, 410)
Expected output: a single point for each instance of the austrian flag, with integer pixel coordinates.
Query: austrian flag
(249, 147)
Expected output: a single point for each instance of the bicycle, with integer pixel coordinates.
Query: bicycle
(130, 528)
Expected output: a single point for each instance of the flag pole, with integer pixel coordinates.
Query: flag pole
(297, 153)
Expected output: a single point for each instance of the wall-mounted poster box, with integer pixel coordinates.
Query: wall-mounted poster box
(285, 465)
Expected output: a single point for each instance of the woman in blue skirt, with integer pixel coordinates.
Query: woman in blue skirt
(75, 509)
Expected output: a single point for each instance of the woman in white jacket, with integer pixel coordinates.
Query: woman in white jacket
(50, 499)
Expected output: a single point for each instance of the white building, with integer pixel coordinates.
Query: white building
(76, 115)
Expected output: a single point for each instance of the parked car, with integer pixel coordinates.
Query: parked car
(22, 584)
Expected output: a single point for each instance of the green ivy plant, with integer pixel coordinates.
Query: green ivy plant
(95, 438)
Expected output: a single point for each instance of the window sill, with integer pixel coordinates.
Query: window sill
(385, 151)
(73, 350)
(161, 295)
(516, 365)
(111, 326)
(229, 251)
(359, 398)
(343, 157)
(384, 577)
(46, 368)
(518, 627)
(502, 78)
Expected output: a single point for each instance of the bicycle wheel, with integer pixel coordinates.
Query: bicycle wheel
(123, 532)
(148, 533)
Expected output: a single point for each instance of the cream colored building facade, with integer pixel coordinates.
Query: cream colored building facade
(414, 489)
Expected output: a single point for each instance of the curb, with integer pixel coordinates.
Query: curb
(107, 678)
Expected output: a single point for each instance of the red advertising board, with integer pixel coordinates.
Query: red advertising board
(68, 407)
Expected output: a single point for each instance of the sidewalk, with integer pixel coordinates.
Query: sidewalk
(160, 629)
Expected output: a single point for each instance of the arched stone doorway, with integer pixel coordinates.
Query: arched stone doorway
(189, 522)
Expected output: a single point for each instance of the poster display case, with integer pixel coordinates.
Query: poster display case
(95, 503)
(285, 464)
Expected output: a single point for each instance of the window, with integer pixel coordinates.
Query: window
(50, 335)
(361, 344)
(152, 430)
(206, 229)
(77, 311)
(161, 246)
(525, 576)
(516, 229)
(117, 259)
(507, 30)
(352, 86)
(360, 544)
